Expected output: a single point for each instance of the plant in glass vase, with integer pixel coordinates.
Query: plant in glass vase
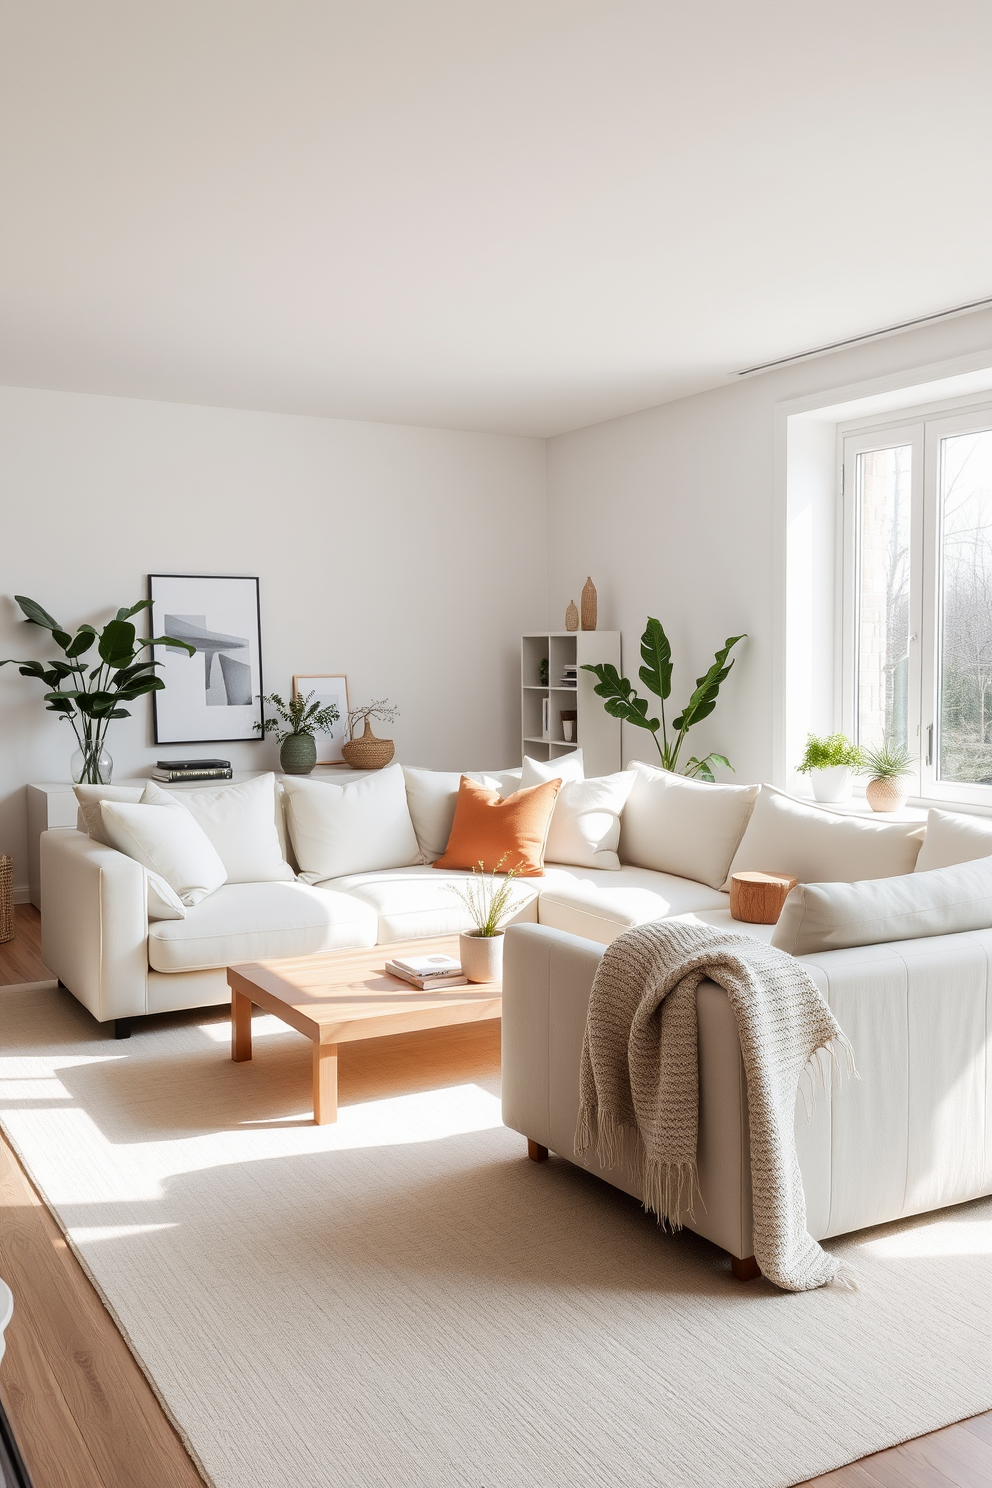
(298, 751)
(90, 696)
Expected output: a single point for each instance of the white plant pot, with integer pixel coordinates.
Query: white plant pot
(481, 956)
(833, 784)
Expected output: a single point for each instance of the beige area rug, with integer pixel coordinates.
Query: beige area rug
(404, 1301)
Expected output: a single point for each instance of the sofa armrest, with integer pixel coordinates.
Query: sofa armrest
(94, 928)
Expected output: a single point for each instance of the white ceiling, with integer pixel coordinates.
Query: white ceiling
(524, 215)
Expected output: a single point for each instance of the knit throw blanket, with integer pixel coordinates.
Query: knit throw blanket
(639, 1079)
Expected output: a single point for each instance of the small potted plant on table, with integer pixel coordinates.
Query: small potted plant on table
(830, 762)
(488, 900)
(298, 747)
(888, 766)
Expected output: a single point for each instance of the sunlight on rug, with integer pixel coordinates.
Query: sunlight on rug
(403, 1300)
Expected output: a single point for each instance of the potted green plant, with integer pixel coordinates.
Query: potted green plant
(830, 762)
(488, 901)
(89, 694)
(297, 745)
(621, 701)
(368, 752)
(887, 766)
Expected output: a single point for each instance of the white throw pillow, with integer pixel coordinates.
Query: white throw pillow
(565, 768)
(163, 902)
(361, 827)
(830, 916)
(817, 846)
(431, 796)
(168, 842)
(240, 821)
(88, 818)
(687, 827)
(585, 824)
(951, 839)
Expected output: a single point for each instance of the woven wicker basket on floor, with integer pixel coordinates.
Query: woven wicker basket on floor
(6, 898)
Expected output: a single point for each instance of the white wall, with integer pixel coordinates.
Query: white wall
(410, 559)
(680, 512)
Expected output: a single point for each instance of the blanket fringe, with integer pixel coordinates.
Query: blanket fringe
(670, 1191)
(837, 1056)
(845, 1280)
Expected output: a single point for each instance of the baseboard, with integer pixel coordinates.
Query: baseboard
(22, 894)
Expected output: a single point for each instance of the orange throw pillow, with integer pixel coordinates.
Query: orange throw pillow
(486, 829)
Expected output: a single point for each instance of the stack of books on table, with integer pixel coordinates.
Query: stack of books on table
(428, 972)
(171, 772)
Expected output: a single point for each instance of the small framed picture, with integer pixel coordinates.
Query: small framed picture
(327, 689)
(215, 695)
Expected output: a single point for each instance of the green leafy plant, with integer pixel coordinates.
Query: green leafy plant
(826, 753)
(302, 715)
(887, 762)
(488, 901)
(90, 696)
(621, 700)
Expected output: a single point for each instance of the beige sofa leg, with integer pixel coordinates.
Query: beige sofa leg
(746, 1269)
(536, 1152)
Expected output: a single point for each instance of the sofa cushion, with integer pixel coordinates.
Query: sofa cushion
(359, 826)
(240, 821)
(410, 903)
(168, 842)
(585, 824)
(432, 796)
(817, 846)
(492, 833)
(88, 818)
(599, 905)
(687, 827)
(951, 839)
(255, 922)
(565, 768)
(832, 916)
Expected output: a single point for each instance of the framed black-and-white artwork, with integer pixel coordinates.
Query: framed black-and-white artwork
(214, 695)
(327, 690)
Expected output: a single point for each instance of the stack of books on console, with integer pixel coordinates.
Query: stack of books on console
(428, 972)
(173, 771)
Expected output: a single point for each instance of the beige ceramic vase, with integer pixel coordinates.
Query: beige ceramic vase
(481, 955)
(885, 794)
(589, 605)
(571, 616)
(368, 752)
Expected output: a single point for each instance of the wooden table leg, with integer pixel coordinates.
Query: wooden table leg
(240, 1026)
(325, 1083)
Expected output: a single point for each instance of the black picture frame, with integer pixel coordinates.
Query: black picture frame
(220, 701)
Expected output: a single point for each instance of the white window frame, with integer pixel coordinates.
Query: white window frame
(923, 432)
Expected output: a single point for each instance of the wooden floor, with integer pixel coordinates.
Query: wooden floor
(85, 1415)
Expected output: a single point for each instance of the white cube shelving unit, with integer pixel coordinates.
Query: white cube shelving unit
(597, 734)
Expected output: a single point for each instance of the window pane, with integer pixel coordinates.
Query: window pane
(884, 494)
(965, 705)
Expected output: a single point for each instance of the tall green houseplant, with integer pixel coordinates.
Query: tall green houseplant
(621, 700)
(90, 694)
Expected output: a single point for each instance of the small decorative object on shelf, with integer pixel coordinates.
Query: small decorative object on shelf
(298, 748)
(888, 767)
(543, 673)
(545, 718)
(571, 616)
(757, 898)
(830, 763)
(368, 752)
(568, 718)
(89, 694)
(488, 900)
(6, 898)
(170, 772)
(589, 605)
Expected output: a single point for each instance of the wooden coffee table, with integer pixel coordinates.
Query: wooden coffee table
(339, 996)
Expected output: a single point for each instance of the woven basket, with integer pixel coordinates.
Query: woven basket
(6, 898)
(368, 752)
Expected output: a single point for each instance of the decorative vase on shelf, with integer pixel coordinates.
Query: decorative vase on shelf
(368, 752)
(481, 955)
(885, 794)
(571, 616)
(298, 754)
(832, 784)
(91, 766)
(589, 605)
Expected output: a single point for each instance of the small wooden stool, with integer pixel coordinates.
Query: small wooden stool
(757, 898)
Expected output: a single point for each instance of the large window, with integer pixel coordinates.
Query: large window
(918, 597)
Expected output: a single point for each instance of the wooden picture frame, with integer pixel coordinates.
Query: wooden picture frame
(330, 687)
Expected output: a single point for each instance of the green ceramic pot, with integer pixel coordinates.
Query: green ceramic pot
(298, 754)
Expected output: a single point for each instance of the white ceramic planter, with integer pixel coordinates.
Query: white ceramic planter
(481, 956)
(833, 784)
(886, 795)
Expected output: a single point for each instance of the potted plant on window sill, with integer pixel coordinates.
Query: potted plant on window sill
(488, 901)
(887, 766)
(297, 745)
(830, 763)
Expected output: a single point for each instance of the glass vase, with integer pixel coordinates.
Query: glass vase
(91, 766)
